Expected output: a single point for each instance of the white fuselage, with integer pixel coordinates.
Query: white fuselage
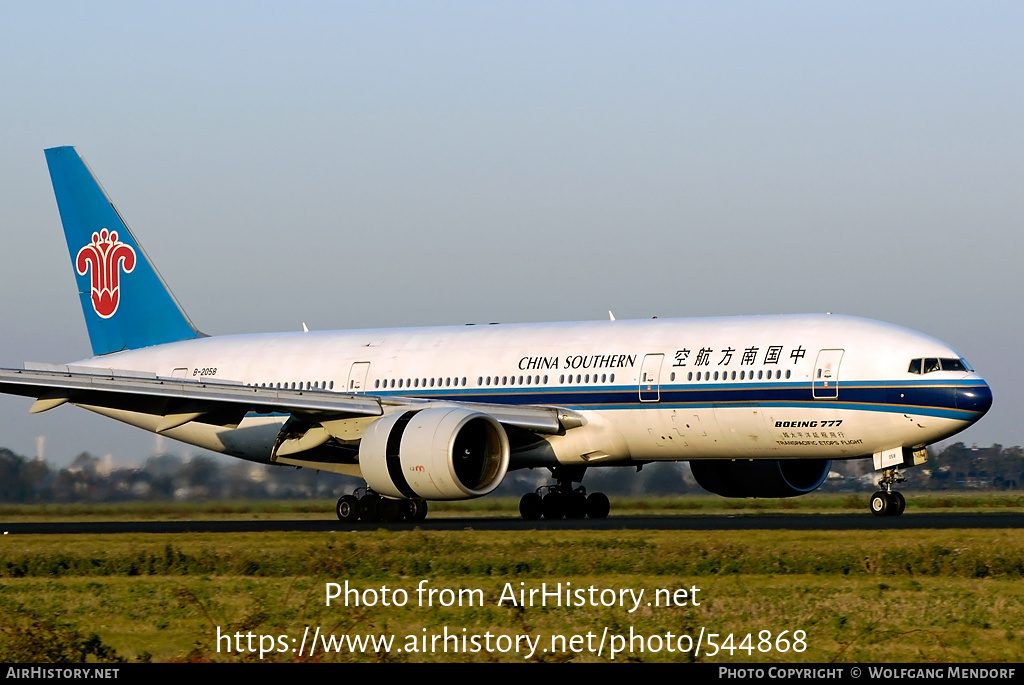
(778, 387)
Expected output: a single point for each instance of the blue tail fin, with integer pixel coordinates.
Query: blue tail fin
(126, 303)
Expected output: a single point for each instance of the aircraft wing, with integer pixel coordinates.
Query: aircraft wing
(180, 400)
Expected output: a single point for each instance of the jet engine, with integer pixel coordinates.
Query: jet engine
(438, 453)
(760, 478)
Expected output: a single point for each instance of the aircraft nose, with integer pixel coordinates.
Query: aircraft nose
(974, 395)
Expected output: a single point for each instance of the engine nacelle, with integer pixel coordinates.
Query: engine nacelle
(439, 453)
(760, 478)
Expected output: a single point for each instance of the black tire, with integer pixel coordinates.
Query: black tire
(531, 507)
(899, 503)
(369, 508)
(415, 510)
(554, 506)
(576, 506)
(880, 503)
(390, 510)
(347, 509)
(598, 505)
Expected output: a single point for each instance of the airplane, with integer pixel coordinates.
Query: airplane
(759, 406)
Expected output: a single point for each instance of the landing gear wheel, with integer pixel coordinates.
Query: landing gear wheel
(598, 505)
(554, 506)
(880, 503)
(531, 506)
(369, 508)
(347, 509)
(899, 503)
(415, 510)
(894, 502)
(562, 500)
(576, 506)
(390, 510)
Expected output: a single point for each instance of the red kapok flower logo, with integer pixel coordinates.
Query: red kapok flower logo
(106, 255)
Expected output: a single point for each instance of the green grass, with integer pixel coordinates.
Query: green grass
(919, 596)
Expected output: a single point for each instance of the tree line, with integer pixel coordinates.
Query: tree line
(171, 477)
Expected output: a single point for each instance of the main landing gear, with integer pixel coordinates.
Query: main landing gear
(366, 505)
(888, 502)
(554, 502)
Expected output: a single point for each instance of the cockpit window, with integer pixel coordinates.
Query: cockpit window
(953, 365)
(929, 364)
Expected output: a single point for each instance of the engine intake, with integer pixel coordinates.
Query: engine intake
(760, 478)
(439, 453)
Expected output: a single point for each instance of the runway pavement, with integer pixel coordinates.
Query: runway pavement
(865, 521)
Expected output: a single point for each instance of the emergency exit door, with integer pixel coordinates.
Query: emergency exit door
(357, 377)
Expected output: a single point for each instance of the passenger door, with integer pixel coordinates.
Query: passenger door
(825, 381)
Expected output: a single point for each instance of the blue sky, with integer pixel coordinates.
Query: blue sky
(386, 164)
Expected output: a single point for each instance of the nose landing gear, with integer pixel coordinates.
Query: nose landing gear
(888, 502)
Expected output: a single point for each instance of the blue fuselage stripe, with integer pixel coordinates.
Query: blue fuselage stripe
(927, 399)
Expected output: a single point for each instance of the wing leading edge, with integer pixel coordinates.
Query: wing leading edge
(180, 401)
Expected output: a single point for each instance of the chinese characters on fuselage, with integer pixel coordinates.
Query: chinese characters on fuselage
(705, 355)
